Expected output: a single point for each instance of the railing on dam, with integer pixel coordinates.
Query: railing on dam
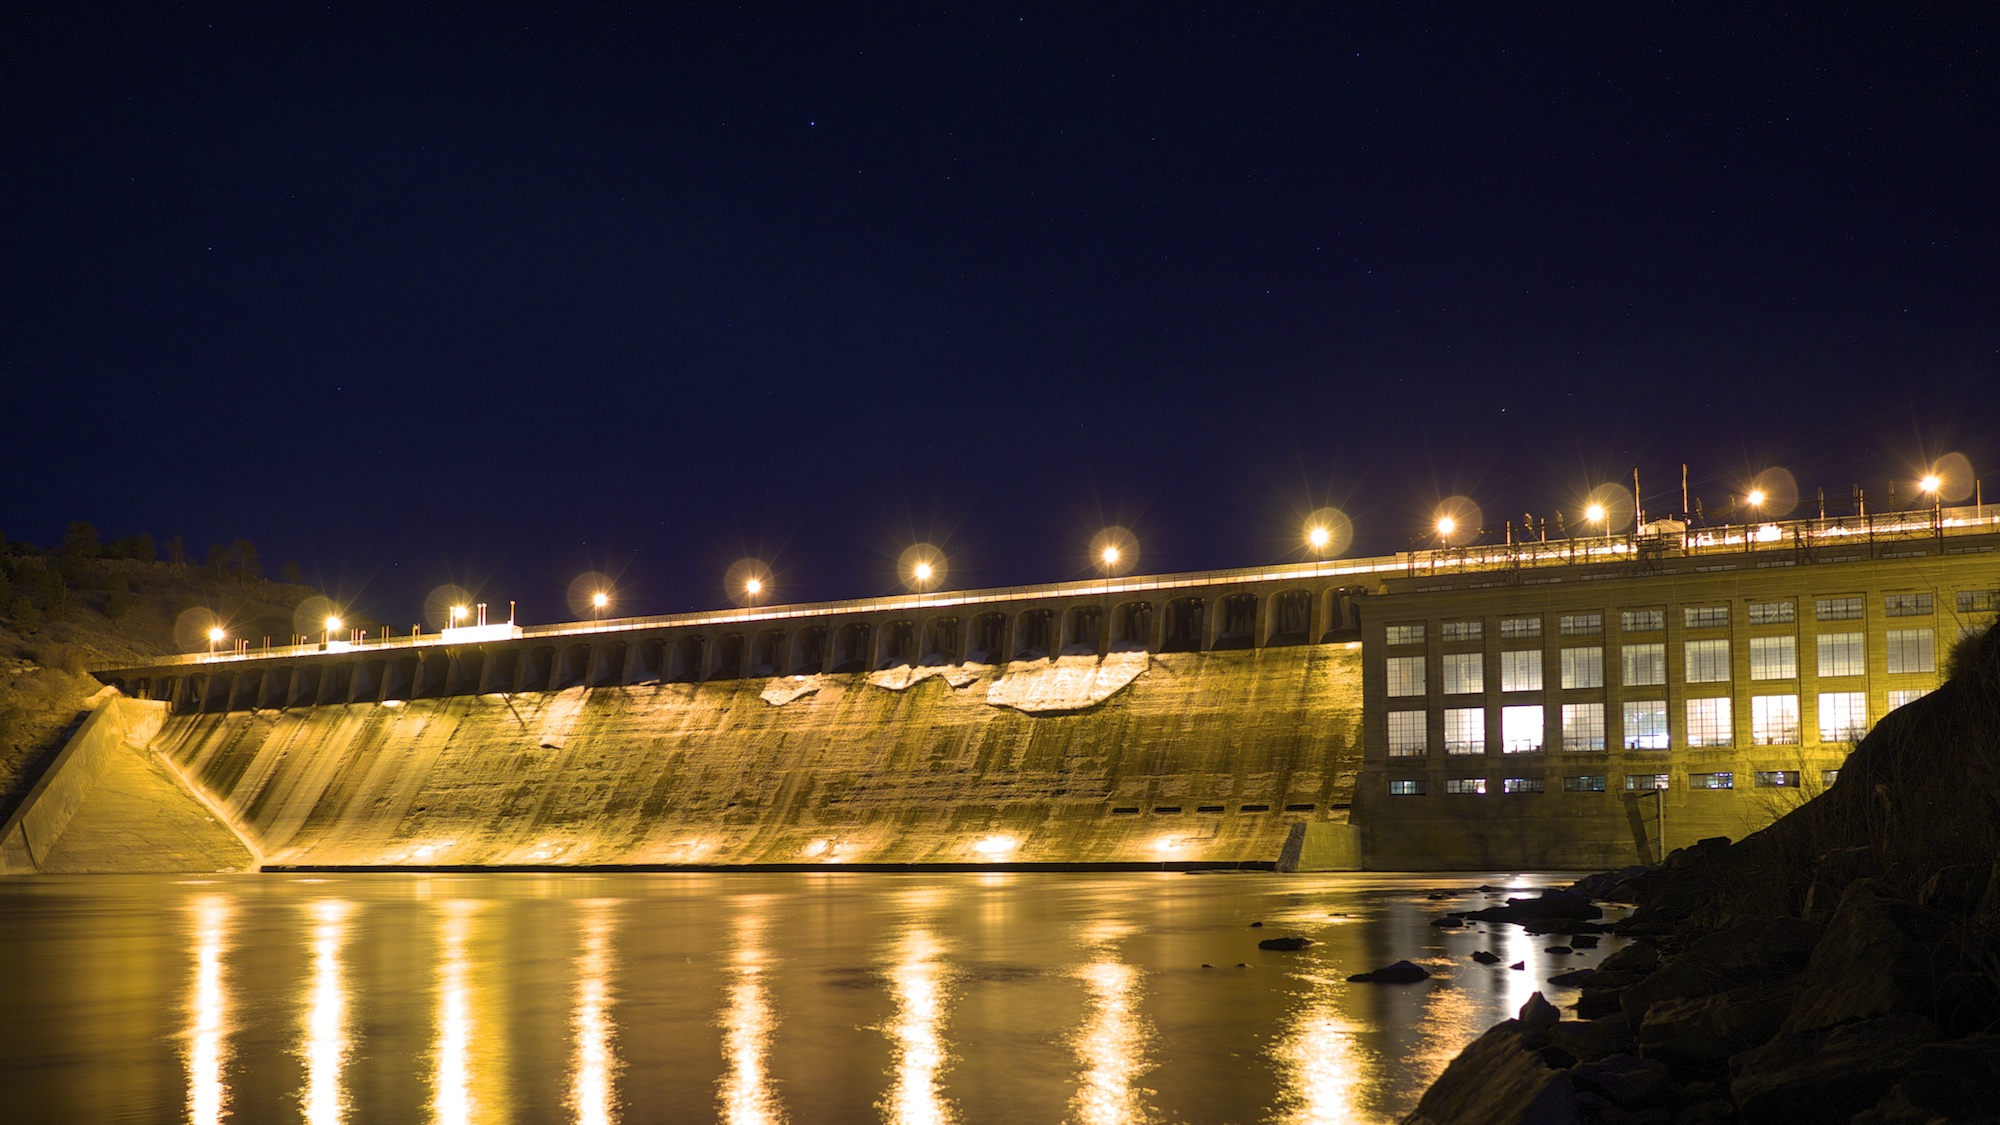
(1250, 607)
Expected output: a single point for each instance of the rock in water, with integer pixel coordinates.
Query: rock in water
(1402, 972)
(1285, 944)
(1486, 958)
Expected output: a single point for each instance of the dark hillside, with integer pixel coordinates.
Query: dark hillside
(91, 604)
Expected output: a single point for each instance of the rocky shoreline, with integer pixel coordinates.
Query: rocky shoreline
(1842, 965)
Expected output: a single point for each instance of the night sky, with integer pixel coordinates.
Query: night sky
(424, 293)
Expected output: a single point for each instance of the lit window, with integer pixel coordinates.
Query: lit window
(1903, 697)
(1406, 675)
(1521, 729)
(1646, 781)
(1778, 779)
(1464, 630)
(1409, 733)
(1711, 781)
(1707, 661)
(1645, 724)
(1708, 722)
(1842, 654)
(1521, 785)
(1466, 786)
(1642, 620)
(1705, 617)
(1828, 777)
(1583, 726)
(1773, 613)
(1586, 783)
(1465, 730)
(1406, 634)
(1837, 609)
(1581, 624)
(1513, 628)
(1774, 720)
(1843, 715)
(1978, 601)
(1906, 605)
(1774, 658)
(1643, 665)
(1521, 670)
(1464, 673)
(1406, 788)
(1912, 650)
(1583, 667)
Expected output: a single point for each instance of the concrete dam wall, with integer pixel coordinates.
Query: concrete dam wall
(1245, 756)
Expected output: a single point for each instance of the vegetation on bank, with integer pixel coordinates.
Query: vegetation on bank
(89, 602)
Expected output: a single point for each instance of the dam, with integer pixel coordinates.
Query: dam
(1578, 703)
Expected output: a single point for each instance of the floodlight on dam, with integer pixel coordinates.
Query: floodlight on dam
(996, 847)
(457, 615)
(1594, 513)
(753, 587)
(1930, 483)
(215, 637)
(748, 582)
(1756, 498)
(1447, 527)
(1113, 551)
(921, 568)
(1328, 532)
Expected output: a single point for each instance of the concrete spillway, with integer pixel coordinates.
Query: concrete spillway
(1216, 757)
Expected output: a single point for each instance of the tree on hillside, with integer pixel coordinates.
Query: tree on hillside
(177, 553)
(244, 561)
(80, 541)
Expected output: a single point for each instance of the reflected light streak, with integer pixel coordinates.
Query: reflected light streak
(747, 1098)
(595, 1067)
(207, 1044)
(1321, 1066)
(451, 1097)
(917, 982)
(326, 1042)
(1111, 1046)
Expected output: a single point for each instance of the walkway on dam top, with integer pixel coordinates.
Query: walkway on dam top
(1814, 534)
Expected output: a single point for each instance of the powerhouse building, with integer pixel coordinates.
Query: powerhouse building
(1606, 711)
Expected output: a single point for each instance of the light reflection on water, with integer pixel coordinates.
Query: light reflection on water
(208, 1009)
(917, 1033)
(326, 1039)
(747, 1098)
(1321, 1063)
(757, 998)
(595, 1066)
(1112, 1043)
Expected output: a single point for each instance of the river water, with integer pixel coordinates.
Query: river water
(381, 999)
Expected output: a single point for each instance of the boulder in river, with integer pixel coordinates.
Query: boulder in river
(1285, 944)
(1402, 972)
